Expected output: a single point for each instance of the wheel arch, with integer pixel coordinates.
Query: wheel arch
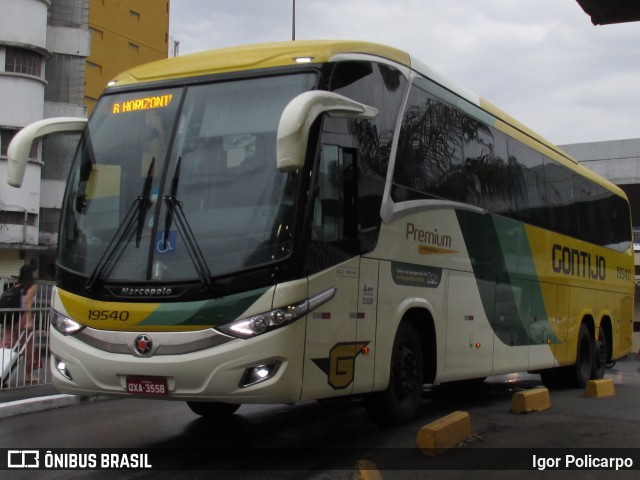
(590, 323)
(422, 320)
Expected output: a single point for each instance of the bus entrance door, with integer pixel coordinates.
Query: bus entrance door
(330, 345)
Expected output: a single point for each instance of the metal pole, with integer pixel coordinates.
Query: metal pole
(293, 22)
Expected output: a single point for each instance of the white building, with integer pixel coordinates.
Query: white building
(43, 46)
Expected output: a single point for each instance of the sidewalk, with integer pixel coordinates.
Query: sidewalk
(31, 399)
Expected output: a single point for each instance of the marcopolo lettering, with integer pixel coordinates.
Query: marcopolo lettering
(578, 263)
(146, 292)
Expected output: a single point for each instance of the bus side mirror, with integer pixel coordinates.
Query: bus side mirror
(298, 116)
(20, 145)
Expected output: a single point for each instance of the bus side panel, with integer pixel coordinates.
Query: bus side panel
(623, 327)
(542, 329)
(592, 283)
(562, 349)
(470, 338)
(366, 325)
(511, 325)
(331, 346)
(403, 287)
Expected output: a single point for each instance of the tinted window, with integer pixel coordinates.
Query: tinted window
(526, 180)
(485, 165)
(382, 87)
(445, 153)
(429, 158)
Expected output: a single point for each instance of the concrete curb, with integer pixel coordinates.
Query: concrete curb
(39, 404)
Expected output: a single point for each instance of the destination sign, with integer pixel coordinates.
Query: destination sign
(141, 104)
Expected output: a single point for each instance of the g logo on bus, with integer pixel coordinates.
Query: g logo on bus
(341, 365)
(143, 344)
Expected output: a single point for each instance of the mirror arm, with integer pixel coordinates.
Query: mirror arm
(20, 145)
(298, 116)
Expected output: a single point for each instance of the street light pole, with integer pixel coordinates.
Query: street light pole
(293, 22)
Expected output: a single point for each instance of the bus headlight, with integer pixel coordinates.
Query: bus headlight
(64, 324)
(268, 321)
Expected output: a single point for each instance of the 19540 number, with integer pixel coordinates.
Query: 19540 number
(104, 315)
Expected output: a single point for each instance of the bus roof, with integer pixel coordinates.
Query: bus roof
(248, 57)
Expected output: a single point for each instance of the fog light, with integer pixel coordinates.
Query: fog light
(259, 373)
(62, 369)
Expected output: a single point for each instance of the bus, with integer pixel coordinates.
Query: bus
(297, 221)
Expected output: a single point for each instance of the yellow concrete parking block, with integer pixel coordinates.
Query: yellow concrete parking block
(366, 470)
(533, 400)
(600, 388)
(445, 433)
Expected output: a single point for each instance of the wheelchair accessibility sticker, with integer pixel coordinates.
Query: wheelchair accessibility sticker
(169, 247)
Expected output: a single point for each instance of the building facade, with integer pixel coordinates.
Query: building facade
(56, 56)
(124, 34)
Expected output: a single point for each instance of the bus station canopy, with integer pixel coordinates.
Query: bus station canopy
(605, 12)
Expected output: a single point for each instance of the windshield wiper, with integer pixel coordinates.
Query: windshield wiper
(137, 212)
(174, 209)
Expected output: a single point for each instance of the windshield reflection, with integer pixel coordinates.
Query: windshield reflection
(236, 204)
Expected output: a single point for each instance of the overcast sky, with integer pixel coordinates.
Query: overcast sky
(542, 61)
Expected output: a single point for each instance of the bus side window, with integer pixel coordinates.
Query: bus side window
(334, 232)
(333, 215)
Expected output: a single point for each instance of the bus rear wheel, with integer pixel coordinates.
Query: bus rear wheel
(600, 357)
(217, 410)
(401, 399)
(583, 367)
(576, 375)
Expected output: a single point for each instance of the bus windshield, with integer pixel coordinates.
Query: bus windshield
(180, 183)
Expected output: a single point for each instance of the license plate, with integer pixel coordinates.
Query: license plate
(147, 386)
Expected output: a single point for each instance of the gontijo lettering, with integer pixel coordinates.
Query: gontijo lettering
(579, 263)
(139, 104)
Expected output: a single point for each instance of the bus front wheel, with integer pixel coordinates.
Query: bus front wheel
(216, 410)
(399, 402)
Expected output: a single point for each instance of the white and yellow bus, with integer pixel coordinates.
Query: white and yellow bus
(284, 222)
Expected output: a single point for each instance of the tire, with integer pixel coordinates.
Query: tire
(583, 368)
(215, 410)
(554, 378)
(600, 356)
(577, 375)
(400, 401)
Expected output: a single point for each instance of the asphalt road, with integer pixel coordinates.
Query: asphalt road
(325, 440)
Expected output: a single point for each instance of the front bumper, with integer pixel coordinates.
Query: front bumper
(203, 365)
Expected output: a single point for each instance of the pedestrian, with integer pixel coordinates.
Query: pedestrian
(27, 289)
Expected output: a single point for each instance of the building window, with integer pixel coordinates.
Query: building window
(20, 60)
(6, 134)
(18, 218)
(134, 15)
(69, 13)
(5, 138)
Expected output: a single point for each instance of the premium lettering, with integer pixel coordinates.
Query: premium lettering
(426, 236)
(578, 263)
